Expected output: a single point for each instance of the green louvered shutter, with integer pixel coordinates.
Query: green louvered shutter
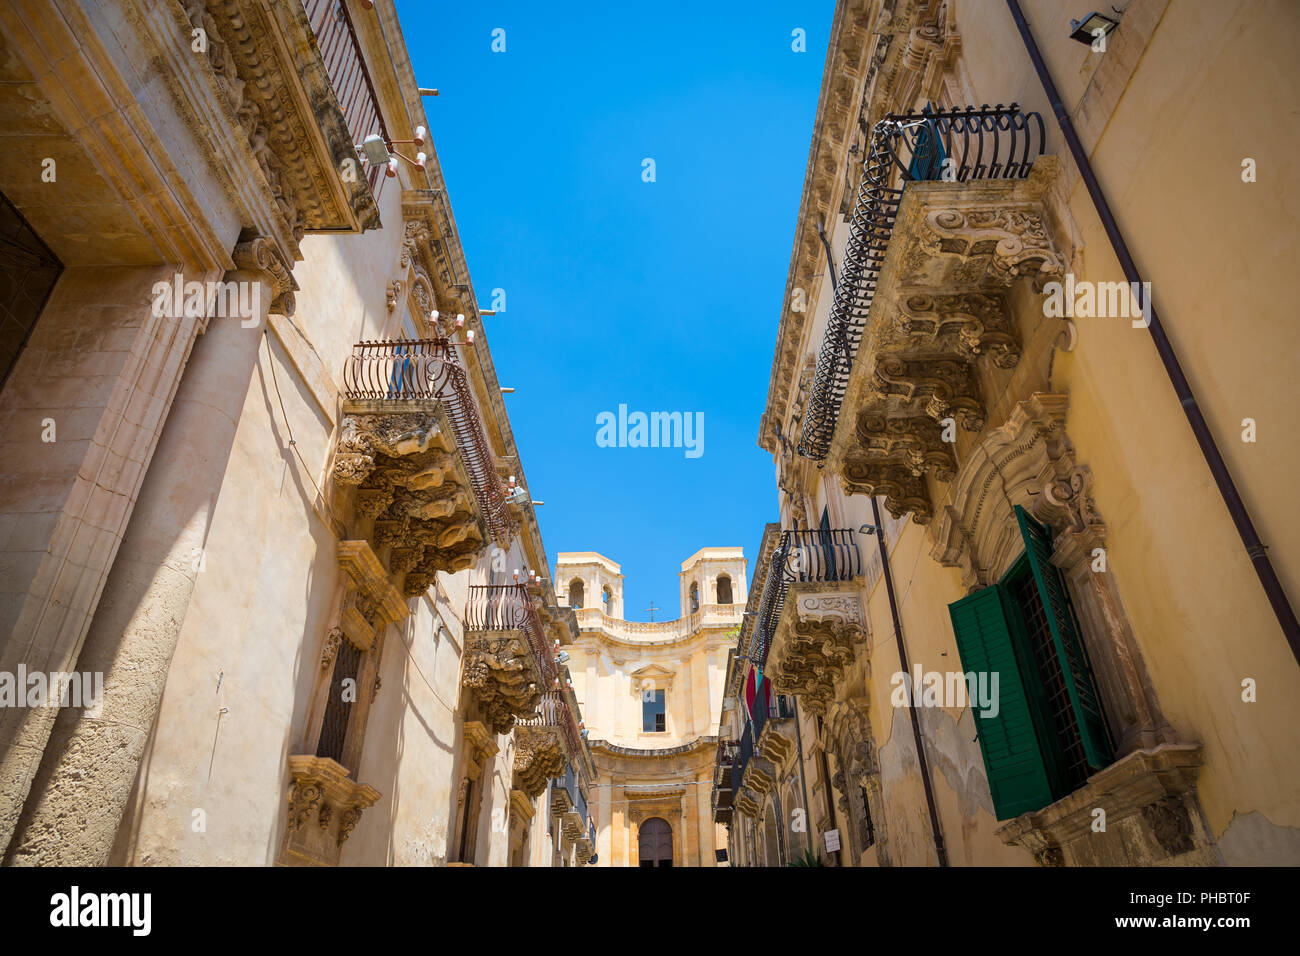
(1070, 651)
(1021, 773)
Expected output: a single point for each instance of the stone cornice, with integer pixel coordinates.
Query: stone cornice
(699, 743)
(679, 632)
(837, 104)
(880, 58)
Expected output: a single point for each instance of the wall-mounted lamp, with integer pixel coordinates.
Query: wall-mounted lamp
(379, 151)
(1091, 27)
(867, 529)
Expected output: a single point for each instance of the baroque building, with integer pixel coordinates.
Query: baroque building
(1027, 598)
(258, 471)
(651, 692)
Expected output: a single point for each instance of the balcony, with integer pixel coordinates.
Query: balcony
(586, 848)
(723, 789)
(340, 50)
(292, 76)
(927, 284)
(413, 455)
(810, 658)
(563, 791)
(954, 147)
(743, 798)
(801, 557)
(508, 663)
(774, 733)
(540, 744)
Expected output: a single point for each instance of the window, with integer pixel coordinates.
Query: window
(606, 599)
(724, 589)
(575, 593)
(654, 716)
(1049, 733)
(695, 597)
(340, 703)
(867, 828)
(928, 153)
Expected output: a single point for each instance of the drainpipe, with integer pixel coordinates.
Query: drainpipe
(830, 804)
(1277, 596)
(939, 847)
(803, 780)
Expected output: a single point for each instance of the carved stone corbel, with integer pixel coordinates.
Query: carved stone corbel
(260, 255)
(320, 786)
(499, 672)
(1013, 237)
(539, 756)
(815, 642)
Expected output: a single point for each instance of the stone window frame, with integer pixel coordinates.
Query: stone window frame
(364, 606)
(1030, 461)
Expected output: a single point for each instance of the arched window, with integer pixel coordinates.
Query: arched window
(575, 593)
(606, 599)
(655, 843)
(695, 597)
(724, 589)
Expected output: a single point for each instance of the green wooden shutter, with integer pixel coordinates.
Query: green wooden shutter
(1070, 651)
(1023, 775)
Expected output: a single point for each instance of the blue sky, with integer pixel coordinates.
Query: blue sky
(662, 296)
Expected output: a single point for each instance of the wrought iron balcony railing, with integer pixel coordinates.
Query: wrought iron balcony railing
(998, 142)
(554, 711)
(764, 711)
(414, 370)
(580, 803)
(336, 38)
(802, 557)
(509, 607)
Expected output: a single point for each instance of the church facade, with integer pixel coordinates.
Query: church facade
(651, 695)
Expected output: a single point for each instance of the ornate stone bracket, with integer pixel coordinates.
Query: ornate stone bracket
(261, 255)
(1152, 815)
(940, 334)
(816, 641)
(499, 671)
(325, 805)
(539, 756)
(370, 602)
(409, 478)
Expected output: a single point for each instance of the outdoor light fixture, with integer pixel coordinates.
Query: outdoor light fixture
(867, 529)
(375, 150)
(563, 658)
(1085, 30)
(379, 151)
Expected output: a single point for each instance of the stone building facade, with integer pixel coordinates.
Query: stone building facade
(975, 482)
(258, 472)
(650, 694)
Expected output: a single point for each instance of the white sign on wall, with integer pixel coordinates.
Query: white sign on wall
(832, 841)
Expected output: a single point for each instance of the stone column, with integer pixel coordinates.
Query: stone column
(89, 768)
(79, 420)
